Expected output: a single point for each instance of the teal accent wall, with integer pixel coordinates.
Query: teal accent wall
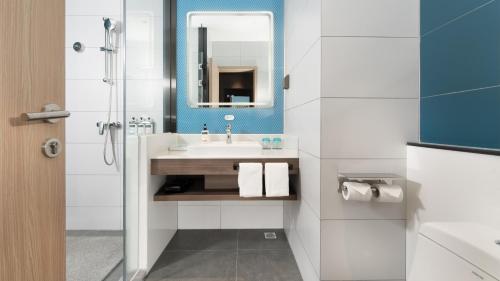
(460, 72)
(247, 120)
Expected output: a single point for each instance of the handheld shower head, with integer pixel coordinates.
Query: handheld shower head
(110, 24)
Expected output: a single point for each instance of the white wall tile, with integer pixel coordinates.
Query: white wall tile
(199, 217)
(368, 128)
(144, 63)
(153, 6)
(305, 266)
(302, 29)
(81, 127)
(304, 121)
(199, 203)
(288, 216)
(370, 67)
(145, 95)
(88, 64)
(252, 203)
(309, 186)
(251, 217)
(87, 159)
(92, 95)
(370, 18)
(93, 7)
(93, 190)
(307, 226)
(88, 30)
(305, 78)
(333, 206)
(362, 250)
(94, 218)
(144, 46)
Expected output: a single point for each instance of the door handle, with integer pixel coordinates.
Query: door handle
(51, 113)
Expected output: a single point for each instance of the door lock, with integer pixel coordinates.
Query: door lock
(52, 148)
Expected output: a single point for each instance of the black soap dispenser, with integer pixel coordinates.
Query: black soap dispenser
(205, 134)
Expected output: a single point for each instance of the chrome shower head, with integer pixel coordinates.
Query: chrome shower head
(110, 24)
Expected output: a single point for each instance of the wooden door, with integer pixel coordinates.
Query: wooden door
(32, 186)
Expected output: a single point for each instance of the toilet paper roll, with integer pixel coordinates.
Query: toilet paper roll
(356, 191)
(389, 193)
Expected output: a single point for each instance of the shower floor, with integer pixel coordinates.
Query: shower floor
(92, 255)
(226, 255)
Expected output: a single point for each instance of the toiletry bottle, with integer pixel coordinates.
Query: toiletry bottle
(205, 134)
(132, 126)
(148, 126)
(140, 127)
(153, 125)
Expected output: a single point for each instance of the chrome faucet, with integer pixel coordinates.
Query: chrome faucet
(228, 134)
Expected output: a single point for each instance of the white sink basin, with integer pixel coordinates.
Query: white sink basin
(222, 148)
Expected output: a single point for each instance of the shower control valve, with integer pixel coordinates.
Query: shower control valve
(104, 126)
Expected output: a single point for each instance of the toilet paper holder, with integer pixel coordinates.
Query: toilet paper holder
(369, 178)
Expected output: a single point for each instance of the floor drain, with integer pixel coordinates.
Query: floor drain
(270, 235)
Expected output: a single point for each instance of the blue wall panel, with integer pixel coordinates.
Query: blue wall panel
(463, 55)
(247, 120)
(439, 12)
(465, 119)
(460, 72)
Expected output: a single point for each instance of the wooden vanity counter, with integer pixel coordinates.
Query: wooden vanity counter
(203, 166)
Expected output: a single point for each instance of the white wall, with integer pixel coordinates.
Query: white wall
(157, 220)
(94, 191)
(450, 186)
(302, 119)
(144, 69)
(230, 214)
(353, 102)
(369, 110)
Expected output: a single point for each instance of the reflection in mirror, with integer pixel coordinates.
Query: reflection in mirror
(230, 59)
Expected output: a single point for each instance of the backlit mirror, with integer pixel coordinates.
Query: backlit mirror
(230, 59)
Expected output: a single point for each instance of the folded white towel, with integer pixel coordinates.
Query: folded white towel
(276, 179)
(250, 179)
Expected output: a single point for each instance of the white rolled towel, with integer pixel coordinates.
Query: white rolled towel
(356, 191)
(276, 178)
(250, 179)
(389, 193)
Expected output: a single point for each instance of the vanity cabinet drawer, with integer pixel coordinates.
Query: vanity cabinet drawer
(211, 166)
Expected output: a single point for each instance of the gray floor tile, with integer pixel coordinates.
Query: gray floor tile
(253, 239)
(194, 266)
(267, 265)
(202, 240)
(226, 255)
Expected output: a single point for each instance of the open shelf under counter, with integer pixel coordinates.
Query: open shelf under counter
(214, 195)
(196, 192)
